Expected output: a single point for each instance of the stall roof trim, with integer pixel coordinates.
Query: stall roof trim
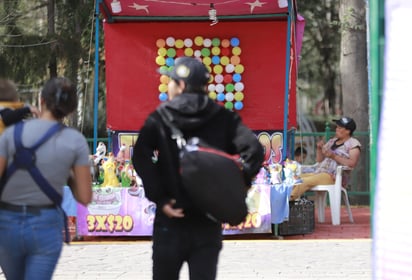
(151, 10)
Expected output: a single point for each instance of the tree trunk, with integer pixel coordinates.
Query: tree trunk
(51, 15)
(354, 75)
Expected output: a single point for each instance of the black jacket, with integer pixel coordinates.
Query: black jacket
(155, 155)
(11, 116)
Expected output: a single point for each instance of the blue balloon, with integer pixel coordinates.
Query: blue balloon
(238, 105)
(237, 77)
(215, 59)
(163, 96)
(220, 96)
(234, 42)
(170, 61)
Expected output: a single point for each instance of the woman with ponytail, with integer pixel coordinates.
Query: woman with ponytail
(31, 222)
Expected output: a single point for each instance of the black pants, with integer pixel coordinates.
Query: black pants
(199, 246)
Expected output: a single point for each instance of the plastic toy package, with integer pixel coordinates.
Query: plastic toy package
(292, 172)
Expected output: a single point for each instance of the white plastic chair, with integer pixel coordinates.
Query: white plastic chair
(335, 195)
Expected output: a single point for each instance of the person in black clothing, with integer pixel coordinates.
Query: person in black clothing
(182, 233)
(12, 111)
(300, 154)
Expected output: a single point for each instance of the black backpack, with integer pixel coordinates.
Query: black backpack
(213, 179)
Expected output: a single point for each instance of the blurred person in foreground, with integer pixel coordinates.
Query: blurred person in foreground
(342, 149)
(31, 224)
(182, 233)
(11, 110)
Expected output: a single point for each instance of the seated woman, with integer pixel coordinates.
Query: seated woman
(342, 149)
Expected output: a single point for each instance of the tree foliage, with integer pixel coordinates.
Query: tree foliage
(321, 65)
(319, 62)
(40, 39)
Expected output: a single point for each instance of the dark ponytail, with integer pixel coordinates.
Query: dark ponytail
(59, 95)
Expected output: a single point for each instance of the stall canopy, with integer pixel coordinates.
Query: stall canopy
(133, 10)
(250, 46)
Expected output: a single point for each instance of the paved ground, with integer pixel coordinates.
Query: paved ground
(240, 259)
(331, 252)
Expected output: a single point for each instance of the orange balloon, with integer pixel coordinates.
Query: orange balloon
(160, 43)
(235, 60)
(164, 79)
(225, 43)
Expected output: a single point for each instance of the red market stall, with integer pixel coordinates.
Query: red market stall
(251, 49)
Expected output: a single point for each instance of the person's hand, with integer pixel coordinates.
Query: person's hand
(329, 154)
(320, 144)
(172, 212)
(35, 111)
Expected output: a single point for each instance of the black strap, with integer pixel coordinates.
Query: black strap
(177, 134)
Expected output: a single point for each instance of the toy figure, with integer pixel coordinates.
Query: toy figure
(275, 171)
(128, 175)
(94, 171)
(100, 153)
(292, 172)
(121, 155)
(253, 199)
(109, 168)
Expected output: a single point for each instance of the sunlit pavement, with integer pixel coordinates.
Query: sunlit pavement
(240, 259)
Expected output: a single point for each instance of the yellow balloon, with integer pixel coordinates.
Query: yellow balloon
(236, 50)
(215, 50)
(239, 96)
(212, 95)
(160, 60)
(239, 69)
(198, 40)
(224, 60)
(162, 51)
(162, 88)
(179, 43)
(207, 60)
(218, 69)
(188, 52)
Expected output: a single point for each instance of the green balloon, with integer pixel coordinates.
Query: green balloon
(215, 42)
(171, 52)
(229, 105)
(230, 87)
(205, 52)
